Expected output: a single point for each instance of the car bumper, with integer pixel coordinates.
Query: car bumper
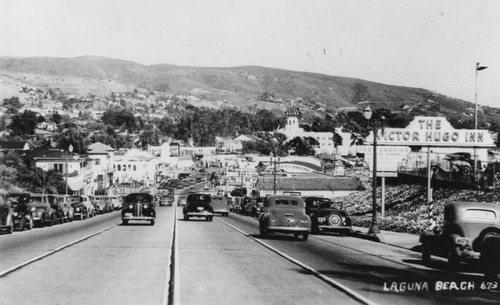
(288, 229)
(126, 217)
(199, 214)
(221, 211)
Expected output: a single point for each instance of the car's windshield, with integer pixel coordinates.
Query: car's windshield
(144, 198)
(284, 202)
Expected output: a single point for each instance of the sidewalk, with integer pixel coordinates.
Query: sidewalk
(397, 239)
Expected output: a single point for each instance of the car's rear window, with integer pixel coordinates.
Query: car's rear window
(286, 202)
(198, 197)
(479, 214)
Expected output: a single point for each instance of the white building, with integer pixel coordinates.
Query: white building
(103, 166)
(134, 166)
(292, 130)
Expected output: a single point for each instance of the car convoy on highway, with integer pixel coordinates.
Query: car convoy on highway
(470, 232)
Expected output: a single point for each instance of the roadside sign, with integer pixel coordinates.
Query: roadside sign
(387, 174)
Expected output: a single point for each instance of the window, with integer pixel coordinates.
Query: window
(119, 167)
(97, 162)
(286, 202)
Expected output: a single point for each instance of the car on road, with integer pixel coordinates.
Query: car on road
(220, 206)
(43, 213)
(327, 216)
(89, 206)
(470, 233)
(284, 214)
(63, 204)
(22, 215)
(252, 206)
(115, 202)
(138, 206)
(198, 205)
(103, 204)
(6, 215)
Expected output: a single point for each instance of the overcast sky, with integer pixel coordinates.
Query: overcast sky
(428, 44)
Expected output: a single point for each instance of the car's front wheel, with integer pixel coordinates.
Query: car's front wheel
(152, 222)
(305, 236)
(124, 222)
(186, 217)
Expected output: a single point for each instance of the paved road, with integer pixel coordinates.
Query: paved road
(99, 261)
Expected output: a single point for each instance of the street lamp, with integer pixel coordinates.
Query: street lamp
(478, 68)
(367, 113)
(70, 150)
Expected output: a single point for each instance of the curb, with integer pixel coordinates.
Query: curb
(366, 236)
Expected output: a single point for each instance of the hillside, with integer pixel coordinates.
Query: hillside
(236, 86)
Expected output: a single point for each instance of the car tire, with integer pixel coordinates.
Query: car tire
(490, 258)
(124, 222)
(334, 219)
(41, 224)
(152, 222)
(305, 236)
(186, 217)
(10, 228)
(314, 229)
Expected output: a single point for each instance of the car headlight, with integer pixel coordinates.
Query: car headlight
(33, 209)
(145, 206)
(78, 209)
(130, 206)
(15, 214)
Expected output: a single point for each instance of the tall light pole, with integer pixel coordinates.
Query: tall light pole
(367, 113)
(70, 150)
(478, 68)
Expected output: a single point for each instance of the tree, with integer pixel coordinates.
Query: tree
(12, 104)
(24, 124)
(39, 181)
(303, 146)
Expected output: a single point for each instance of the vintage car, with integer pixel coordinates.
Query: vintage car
(138, 206)
(6, 215)
(22, 215)
(103, 204)
(63, 204)
(198, 205)
(43, 213)
(89, 207)
(219, 204)
(284, 214)
(115, 202)
(470, 233)
(252, 206)
(327, 215)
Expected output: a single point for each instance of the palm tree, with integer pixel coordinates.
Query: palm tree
(39, 181)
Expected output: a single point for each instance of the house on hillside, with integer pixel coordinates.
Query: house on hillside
(8, 146)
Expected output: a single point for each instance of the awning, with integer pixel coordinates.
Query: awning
(76, 185)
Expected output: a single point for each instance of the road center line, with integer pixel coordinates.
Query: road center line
(171, 291)
(316, 273)
(15, 268)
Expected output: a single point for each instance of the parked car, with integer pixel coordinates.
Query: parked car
(22, 215)
(43, 213)
(103, 204)
(182, 200)
(470, 233)
(87, 202)
(219, 204)
(138, 206)
(115, 202)
(327, 215)
(6, 215)
(252, 206)
(63, 204)
(198, 205)
(284, 214)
